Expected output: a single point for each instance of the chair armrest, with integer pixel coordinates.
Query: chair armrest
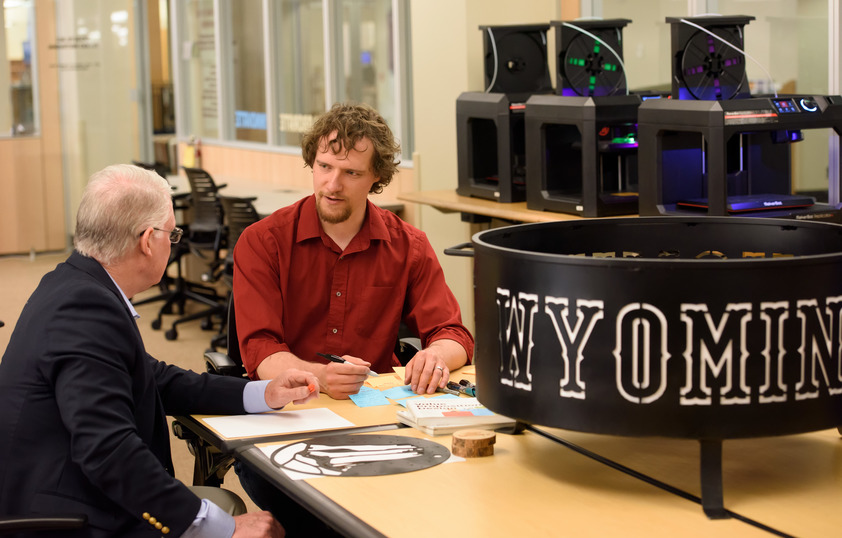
(412, 343)
(41, 523)
(220, 363)
(406, 348)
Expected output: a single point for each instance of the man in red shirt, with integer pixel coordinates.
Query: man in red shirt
(333, 273)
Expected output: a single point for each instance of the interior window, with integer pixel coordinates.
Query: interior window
(260, 72)
(248, 75)
(17, 112)
(365, 58)
(198, 49)
(300, 60)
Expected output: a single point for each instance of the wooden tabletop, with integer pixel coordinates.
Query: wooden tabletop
(531, 486)
(550, 482)
(792, 483)
(449, 202)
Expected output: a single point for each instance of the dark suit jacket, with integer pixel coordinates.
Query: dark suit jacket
(82, 410)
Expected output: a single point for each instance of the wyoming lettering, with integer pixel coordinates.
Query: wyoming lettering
(720, 353)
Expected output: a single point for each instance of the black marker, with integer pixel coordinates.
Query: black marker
(337, 358)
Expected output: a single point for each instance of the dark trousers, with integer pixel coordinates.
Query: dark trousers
(295, 519)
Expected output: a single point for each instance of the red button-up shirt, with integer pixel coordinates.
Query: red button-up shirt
(297, 291)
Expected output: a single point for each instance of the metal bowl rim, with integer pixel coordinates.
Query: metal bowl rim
(480, 243)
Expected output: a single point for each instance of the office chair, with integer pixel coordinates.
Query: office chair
(407, 346)
(167, 284)
(205, 239)
(239, 214)
(206, 232)
(230, 363)
(210, 464)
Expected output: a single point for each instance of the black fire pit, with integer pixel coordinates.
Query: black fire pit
(705, 328)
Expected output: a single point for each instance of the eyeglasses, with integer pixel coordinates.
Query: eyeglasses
(175, 234)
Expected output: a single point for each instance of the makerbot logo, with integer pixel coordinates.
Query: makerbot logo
(716, 348)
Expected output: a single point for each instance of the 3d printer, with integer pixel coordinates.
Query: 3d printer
(490, 125)
(582, 143)
(713, 148)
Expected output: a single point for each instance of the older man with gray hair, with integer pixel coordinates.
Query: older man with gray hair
(83, 428)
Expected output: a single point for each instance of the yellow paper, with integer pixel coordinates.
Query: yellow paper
(385, 381)
(188, 159)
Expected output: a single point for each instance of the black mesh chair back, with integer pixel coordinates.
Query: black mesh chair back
(239, 214)
(205, 228)
(204, 202)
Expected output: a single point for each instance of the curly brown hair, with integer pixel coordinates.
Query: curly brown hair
(352, 123)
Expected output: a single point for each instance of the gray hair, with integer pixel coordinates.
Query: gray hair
(119, 203)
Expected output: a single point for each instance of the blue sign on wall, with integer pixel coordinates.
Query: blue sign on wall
(250, 120)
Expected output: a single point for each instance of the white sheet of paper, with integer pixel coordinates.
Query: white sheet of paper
(279, 422)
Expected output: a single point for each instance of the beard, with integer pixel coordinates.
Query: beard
(340, 214)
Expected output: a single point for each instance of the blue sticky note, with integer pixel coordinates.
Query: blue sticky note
(482, 412)
(397, 393)
(369, 398)
(445, 396)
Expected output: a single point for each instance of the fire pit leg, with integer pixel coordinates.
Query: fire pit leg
(711, 460)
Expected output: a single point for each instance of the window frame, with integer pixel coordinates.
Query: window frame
(401, 43)
(33, 81)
